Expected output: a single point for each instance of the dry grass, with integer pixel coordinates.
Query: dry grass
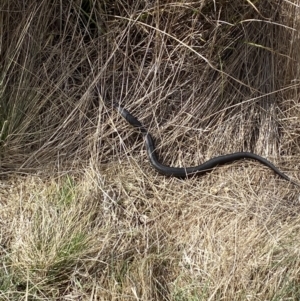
(83, 215)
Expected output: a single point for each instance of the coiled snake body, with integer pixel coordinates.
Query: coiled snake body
(183, 172)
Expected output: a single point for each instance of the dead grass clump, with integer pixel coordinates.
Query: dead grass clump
(192, 72)
(91, 219)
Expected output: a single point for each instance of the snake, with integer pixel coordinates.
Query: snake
(184, 172)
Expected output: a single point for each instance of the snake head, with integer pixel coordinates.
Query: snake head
(128, 117)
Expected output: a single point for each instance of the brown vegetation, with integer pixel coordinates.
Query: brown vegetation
(83, 215)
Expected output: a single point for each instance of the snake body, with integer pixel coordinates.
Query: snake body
(183, 172)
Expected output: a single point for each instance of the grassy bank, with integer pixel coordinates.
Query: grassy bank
(83, 215)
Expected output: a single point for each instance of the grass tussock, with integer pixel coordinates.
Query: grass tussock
(83, 216)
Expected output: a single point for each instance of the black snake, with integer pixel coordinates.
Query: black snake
(183, 172)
